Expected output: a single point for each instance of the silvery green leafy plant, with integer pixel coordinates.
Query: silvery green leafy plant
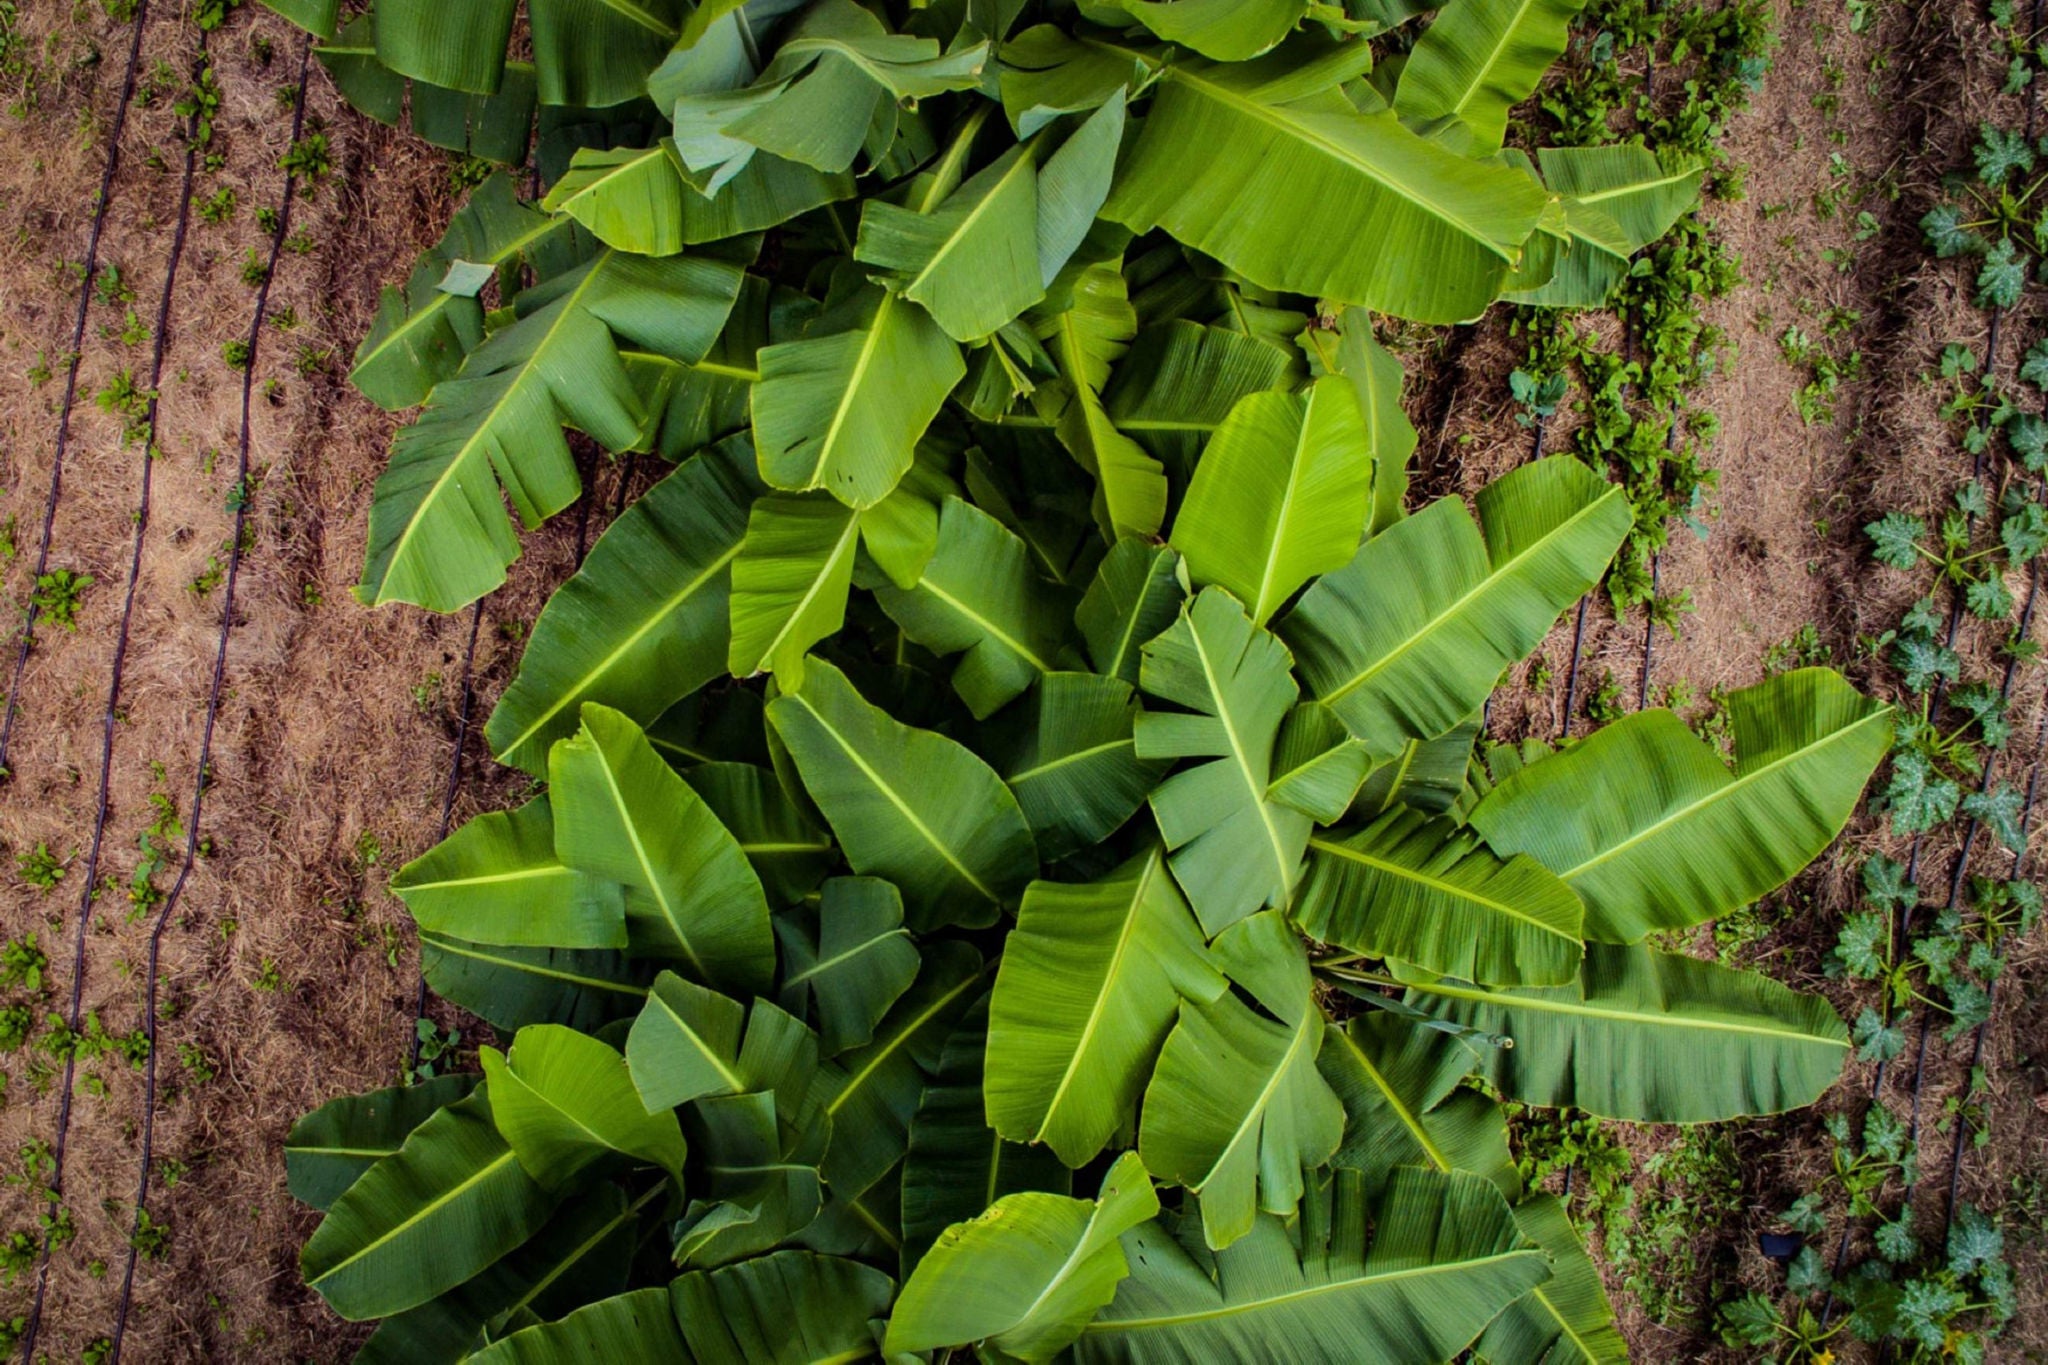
(1014, 870)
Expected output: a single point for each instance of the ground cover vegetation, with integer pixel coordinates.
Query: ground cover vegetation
(1009, 867)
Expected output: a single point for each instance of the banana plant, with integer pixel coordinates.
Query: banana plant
(1015, 866)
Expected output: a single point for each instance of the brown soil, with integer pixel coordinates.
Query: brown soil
(287, 972)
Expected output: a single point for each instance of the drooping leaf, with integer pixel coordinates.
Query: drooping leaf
(1136, 593)
(1479, 59)
(847, 963)
(689, 1042)
(1658, 833)
(1652, 1037)
(498, 880)
(1281, 495)
(1445, 1256)
(642, 623)
(979, 597)
(1070, 757)
(438, 534)
(328, 1148)
(1026, 1275)
(1406, 640)
(789, 1308)
(1090, 984)
(906, 804)
(789, 583)
(563, 1099)
(1404, 1104)
(622, 813)
(421, 335)
(956, 1165)
(842, 408)
(449, 1202)
(1565, 1321)
(871, 1093)
(1234, 850)
(1236, 1109)
(1422, 890)
(1292, 176)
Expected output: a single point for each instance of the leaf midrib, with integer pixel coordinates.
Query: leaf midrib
(1273, 117)
(889, 1046)
(902, 808)
(1126, 932)
(1584, 1009)
(1735, 783)
(1495, 574)
(1448, 888)
(416, 1217)
(1359, 1281)
(1243, 761)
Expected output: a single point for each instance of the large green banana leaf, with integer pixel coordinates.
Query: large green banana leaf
(643, 623)
(590, 53)
(327, 1149)
(871, 1093)
(790, 1308)
(1026, 1294)
(1291, 177)
(581, 1255)
(639, 199)
(1444, 1257)
(1614, 201)
(564, 1100)
(1083, 341)
(1652, 1037)
(1408, 639)
(906, 804)
(511, 987)
(1646, 823)
(638, 1326)
(317, 17)
(1234, 850)
(1426, 774)
(450, 1201)
(689, 1042)
(1236, 1109)
(498, 880)
(980, 597)
(1317, 765)
(757, 1182)
(494, 127)
(846, 964)
(1090, 985)
(843, 408)
(789, 583)
(1428, 893)
(1227, 30)
(1477, 60)
(956, 1165)
(622, 813)
(1136, 593)
(438, 534)
(968, 256)
(1404, 1103)
(1181, 379)
(1376, 378)
(1566, 1321)
(1069, 755)
(1282, 494)
(421, 335)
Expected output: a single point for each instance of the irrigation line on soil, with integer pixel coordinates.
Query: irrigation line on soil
(111, 715)
(70, 400)
(205, 758)
(476, 620)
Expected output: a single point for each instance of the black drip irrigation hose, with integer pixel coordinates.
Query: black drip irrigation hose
(216, 688)
(111, 715)
(448, 794)
(70, 400)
